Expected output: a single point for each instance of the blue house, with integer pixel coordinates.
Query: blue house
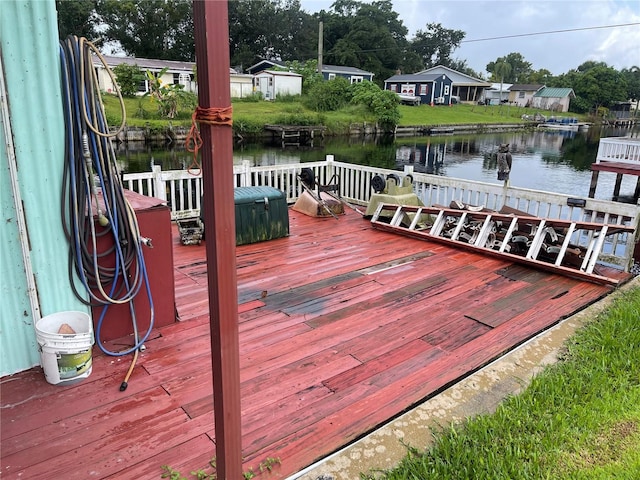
(433, 89)
(467, 88)
(352, 74)
(329, 72)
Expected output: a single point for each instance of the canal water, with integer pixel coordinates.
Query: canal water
(552, 161)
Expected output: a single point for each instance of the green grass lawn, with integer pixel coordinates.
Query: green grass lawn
(250, 117)
(579, 419)
(461, 114)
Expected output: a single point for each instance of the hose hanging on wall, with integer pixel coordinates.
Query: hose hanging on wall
(92, 189)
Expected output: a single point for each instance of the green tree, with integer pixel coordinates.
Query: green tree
(599, 86)
(77, 17)
(249, 31)
(296, 32)
(588, 65)
(462, 67)
(541, 77)
(519, 72)
(161, 29)
(128, 78)
(410, 62)
(435, 44)
(632, 76)
(270, 29)
(365, 35)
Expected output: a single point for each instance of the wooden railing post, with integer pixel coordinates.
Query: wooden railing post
(330, 168)
(159, 187)
(245, 176)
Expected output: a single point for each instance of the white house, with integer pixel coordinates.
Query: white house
(522, 94)
(272, 83)
(496, 94)
(177, 72)
(241, 84)
(554, 99)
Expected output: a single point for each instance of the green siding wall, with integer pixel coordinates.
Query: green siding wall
(30, 56)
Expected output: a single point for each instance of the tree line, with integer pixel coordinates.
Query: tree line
(370, 36)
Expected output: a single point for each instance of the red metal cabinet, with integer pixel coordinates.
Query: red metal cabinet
(154, 220)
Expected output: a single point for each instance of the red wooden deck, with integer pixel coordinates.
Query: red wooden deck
(341, 328)
(617, 167)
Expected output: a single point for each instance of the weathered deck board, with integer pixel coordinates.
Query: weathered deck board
(195, 451)
(341, 328)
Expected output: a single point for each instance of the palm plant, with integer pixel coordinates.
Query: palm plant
(502, 69)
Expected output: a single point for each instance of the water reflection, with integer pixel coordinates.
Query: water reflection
(542, 160)
(428, 158)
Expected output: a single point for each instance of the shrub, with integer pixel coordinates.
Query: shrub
(169, 96)
(382, 103)
(128, 78)
(385, 108)
(364, 93)
(329, 96)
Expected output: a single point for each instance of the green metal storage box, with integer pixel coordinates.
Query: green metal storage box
(261, 214)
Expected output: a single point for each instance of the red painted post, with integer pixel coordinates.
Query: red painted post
(211, 24)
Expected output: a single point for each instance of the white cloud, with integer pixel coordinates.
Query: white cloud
(557, 52)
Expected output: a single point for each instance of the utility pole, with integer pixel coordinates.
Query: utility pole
(320, 42)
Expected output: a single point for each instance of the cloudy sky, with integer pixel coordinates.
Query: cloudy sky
(483, 21)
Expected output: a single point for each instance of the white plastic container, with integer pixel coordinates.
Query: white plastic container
(65, 358)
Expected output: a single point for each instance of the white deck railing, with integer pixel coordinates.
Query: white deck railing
(619, 150)
(183, 190)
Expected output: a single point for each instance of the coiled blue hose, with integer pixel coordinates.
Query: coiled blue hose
(90, 172)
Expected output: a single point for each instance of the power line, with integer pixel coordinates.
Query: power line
(369, 50)
(547, 33)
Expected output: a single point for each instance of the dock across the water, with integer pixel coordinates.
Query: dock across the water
(295, 134)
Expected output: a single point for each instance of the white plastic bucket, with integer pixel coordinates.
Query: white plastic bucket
(65, 358)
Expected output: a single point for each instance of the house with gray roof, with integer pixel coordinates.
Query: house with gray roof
(466, 87)
(265, 64)
(352, 74)
(177, 73)
(433, 89)
(329, 72)
(553, 98)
